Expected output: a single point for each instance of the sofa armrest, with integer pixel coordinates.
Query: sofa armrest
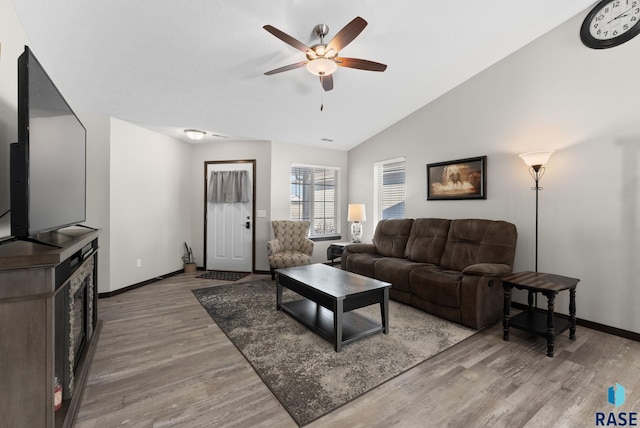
(355, 249)
(274, 247)
(361, 248)
(487, 269)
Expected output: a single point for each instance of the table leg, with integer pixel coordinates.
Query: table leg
(551, 331)
(572, 314)
(337, 324)
(384, 311)
(506, 309)
(278, 293)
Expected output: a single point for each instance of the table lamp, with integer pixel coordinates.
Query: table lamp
(356, 214)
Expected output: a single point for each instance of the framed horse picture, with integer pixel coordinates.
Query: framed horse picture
(458, 179)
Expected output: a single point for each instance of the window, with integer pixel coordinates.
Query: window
(389, 189)
(314, 193)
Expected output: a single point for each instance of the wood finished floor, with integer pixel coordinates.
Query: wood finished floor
(161, 361)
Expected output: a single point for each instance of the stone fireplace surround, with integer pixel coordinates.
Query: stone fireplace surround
(81, 280)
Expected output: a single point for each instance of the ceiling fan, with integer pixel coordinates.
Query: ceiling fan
(322, 59)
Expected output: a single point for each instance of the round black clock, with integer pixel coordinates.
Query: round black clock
(611, 23)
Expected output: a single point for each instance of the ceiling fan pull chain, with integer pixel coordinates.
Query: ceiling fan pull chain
(322, 100)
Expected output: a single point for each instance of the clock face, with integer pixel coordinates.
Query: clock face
(610, 23)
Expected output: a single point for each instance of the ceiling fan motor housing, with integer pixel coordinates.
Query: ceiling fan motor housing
(321, 30)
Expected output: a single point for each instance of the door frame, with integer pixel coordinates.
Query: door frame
(253, 214)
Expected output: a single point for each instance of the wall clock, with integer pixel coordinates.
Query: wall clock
(611, 23)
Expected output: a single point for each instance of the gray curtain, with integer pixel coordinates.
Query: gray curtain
(229, 186)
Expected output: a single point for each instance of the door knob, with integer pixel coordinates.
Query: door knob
(248, 225)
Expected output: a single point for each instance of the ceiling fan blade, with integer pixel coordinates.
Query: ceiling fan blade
(286, 38)
(361, 64)
(347, 34)
(286, 68)
(327, 82)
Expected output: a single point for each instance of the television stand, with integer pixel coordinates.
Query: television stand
(58, 232)
(85, 226)
(50, 326)
(65, 231)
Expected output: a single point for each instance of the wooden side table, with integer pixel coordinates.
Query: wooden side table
(335, 250)
(538, 321)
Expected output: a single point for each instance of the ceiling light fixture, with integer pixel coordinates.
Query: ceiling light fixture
(195, 134)
(321, 66)
(321, 60)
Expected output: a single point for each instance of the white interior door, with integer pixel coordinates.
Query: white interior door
(229, 227)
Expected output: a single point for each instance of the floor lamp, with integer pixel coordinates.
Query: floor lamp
(535, 161)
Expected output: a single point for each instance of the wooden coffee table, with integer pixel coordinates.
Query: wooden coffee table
(329, 296)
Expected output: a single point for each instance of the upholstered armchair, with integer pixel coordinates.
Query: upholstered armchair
(291, 247)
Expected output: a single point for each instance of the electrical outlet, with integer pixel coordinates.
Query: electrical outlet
(139, 263)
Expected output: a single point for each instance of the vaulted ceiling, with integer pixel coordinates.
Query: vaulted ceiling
(170, 65)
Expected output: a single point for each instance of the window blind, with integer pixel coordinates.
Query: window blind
(389, 188)
(314, 192)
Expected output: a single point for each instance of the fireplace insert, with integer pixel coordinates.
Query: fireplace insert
(74, 316)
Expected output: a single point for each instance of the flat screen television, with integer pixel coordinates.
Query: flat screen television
(48, 163)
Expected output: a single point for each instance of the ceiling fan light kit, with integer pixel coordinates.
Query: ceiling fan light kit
(322, 59)
(321, 67)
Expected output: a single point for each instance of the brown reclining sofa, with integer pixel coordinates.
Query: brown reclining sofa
(449, 268)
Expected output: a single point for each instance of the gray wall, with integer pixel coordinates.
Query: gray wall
(98, 187)
(553, 94)
(150, 196)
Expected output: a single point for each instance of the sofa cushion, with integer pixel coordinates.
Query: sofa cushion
(391, 237)
(473, 241)
(487, 269)
(441, 287)
(287, 259)
(427, 240)
(395, 271)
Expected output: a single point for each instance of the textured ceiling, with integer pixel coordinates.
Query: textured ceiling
(170, 65)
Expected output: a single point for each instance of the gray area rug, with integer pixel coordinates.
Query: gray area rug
(301, 368)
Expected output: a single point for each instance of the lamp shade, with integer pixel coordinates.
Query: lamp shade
(536, 158)
(356, 213)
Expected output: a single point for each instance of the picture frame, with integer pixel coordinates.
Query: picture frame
(457, 179)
